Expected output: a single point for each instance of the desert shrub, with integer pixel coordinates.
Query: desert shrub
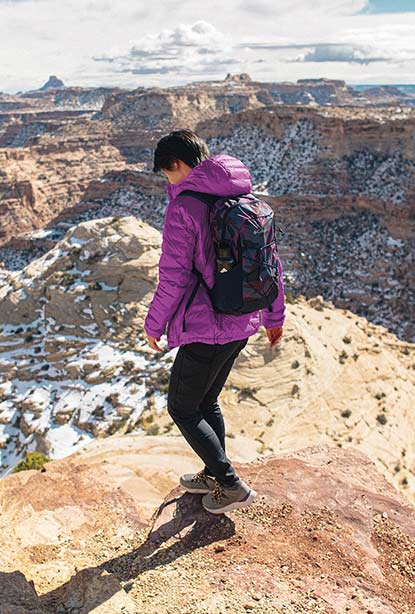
(153, 430)
(343, 357)
(128, 365)
(33, 460)
(290, 298)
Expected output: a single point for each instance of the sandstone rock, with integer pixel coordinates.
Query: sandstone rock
(326, 534)
(346, 374)
(58, 139)
(319, 527)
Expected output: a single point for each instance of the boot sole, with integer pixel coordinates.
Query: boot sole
(235, 505)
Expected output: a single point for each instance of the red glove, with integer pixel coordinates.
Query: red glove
(152, 343)
(274, 335)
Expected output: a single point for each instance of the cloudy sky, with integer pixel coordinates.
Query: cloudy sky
(131, 43)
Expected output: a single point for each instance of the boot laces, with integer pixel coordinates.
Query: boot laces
(218, 492)
(200, 476)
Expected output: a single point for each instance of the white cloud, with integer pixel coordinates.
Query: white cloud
(185, 49)
(342, 53)
(330, 38)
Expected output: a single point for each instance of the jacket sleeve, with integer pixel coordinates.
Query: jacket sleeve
(175, 270)
(277, 316)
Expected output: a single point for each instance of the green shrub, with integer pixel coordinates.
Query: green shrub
(33, 460)
(153, 430)
(290, 298)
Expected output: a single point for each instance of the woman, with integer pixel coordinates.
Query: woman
(210, 341)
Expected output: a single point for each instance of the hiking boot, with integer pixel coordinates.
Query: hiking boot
(198, 483)
(224, 499)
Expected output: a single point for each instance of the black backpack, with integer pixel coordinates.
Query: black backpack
(244, 233)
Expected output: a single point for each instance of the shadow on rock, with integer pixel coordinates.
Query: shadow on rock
(179, 526)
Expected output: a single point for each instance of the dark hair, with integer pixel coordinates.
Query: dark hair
(183, 145)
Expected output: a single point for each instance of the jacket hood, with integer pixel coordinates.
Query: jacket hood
(221, 174)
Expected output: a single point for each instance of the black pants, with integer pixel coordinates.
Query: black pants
(198, 374)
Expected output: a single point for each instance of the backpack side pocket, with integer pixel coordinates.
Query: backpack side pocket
(226, 294)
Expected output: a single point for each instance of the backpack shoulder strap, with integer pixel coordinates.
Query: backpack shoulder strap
(209, 199)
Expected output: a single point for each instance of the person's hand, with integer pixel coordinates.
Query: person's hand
(152, 343)
(274, 335)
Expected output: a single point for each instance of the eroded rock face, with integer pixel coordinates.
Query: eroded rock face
(342, 185)
(61, 527)
(341, 180)
(326, 534)
(72, 336)
(75, 365)
(60, 139)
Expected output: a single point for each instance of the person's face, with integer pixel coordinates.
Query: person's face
(178, 171)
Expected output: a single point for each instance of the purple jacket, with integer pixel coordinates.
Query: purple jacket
(186, 240)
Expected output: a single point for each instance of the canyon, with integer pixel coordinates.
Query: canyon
(322, 424)
(341, 180)
(75, 365)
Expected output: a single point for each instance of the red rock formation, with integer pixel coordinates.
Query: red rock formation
(327, 534)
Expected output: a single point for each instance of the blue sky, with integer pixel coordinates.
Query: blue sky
(390, 6)
(130, 43)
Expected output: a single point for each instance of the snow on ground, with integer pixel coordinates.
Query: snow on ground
(68, 412)
(285, 165)
(277, 165)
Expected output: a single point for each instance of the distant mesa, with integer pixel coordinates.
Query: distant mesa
(322, 80)
(53, 83)
(243, 76)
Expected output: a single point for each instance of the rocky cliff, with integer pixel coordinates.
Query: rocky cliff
(343, 188)
(74, 363)
(44, 132)
(340, 177)
(327, 534)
